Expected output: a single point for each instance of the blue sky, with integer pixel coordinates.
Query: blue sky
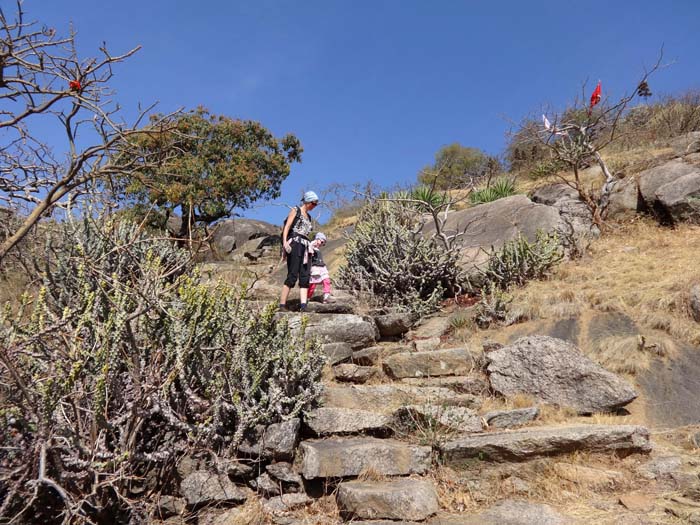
(373, 88)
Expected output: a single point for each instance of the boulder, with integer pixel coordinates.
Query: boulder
(265, 485)
(240, 231)
(203, 488)
(286, 502)
(625, 200)
(342, 457)
(686, 144)
(285, 473)
(495, 223)
(680, 199)
(352, 329)
(652, 179)
(575, 215)
(391, 325)
(388, 397)
(326, 421)
(511, 418)
(554, 371)
(520, 445)
(448, 362)
(403, 499)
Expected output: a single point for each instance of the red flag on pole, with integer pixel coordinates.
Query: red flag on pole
(595, 97)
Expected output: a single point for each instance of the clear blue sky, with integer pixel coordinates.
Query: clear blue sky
(373, 88)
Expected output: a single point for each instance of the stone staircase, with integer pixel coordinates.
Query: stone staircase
(388, 382)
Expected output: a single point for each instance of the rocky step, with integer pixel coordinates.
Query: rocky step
(469, 384)
(373, 355)
(447, 362)
(355, 330)
(401, 499)
(352, 373)
(533, 442)
(348, 457)
(327, 421)
(387, 398)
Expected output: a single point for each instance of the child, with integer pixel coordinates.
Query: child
(319, 272)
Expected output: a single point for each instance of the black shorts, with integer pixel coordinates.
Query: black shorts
(296, 269)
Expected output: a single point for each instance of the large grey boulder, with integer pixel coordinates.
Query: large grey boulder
(680, 199)
(625, 201)
(554, 371)
(575, 215)
(343, 457)
(520, 445)
(448, 362)
(652, 179)
(495, 223)
(326, 421)
(403, 499)
(203, 487)
(354, 330)
(240, 231)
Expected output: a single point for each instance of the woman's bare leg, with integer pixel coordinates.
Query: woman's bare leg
(285, 293)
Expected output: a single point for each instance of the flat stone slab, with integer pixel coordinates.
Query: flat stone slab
(327, 421)
(477, 385)
(355, 330)
(511, 418)
(343, 457)
(507, 512)
(387, 398)
(554, 371)
(449, 362)
(520, 445)
(457, 419)
(403, 499)
(374, 354)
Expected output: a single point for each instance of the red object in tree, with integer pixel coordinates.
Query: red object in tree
(595, 97)
(74, 85)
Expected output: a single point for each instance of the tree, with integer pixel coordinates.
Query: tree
(46, 90)
(576, 136)
(221, 164)
(455, 166)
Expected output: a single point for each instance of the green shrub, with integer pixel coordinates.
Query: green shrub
(493, 307)
(520, 260)
(500, 188)
(124, 361)
(391, 257)
(545, 168)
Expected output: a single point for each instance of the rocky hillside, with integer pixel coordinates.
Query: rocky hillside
(580, 409)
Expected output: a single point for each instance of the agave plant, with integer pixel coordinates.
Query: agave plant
(500, 188)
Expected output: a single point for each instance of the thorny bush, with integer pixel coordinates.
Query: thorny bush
(390, 256)
(122, 362)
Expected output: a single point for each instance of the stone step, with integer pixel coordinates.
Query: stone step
(470, 384)
(455, 419)
(345, 457)
(393, 325)
(386, 398)
(327, 421)
(401, 499)
(448, 362)
(511, 418)
(533, 442)
(374, 354)
(507, 512)
(352, 373)
(357, 331)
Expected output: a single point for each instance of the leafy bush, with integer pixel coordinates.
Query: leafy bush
(500, 188)
(520, 260)
(122, 362)
(545, 168)
(389, 256)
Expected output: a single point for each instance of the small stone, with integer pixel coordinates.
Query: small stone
(170, 506)
(337, 352)
(265, 485)
(284, 472)
(351, 373)
(202, 487)
(637, 502)
(286, 502)
(426, 345)
(391, 325)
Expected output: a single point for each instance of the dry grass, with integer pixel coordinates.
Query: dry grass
(641, 269)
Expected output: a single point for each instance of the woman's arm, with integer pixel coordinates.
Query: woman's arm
(287, 225)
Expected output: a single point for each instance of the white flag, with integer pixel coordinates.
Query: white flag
(547, 125)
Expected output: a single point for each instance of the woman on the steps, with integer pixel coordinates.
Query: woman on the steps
(295, 241)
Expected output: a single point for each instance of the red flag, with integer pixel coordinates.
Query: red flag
(595, 97)
(74, 85)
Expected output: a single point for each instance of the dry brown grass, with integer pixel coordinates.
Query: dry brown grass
(640, 269)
